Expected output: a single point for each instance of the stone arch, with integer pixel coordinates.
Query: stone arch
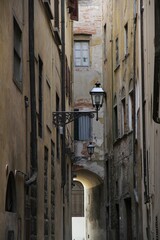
(10, 204)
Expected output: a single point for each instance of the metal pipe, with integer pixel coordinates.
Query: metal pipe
(32, 88)
(63, 75)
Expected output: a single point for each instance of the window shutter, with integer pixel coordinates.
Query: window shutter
(77, 53)
(84, 128)
(74, 13)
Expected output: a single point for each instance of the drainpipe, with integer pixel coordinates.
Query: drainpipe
(32, 95)
(63, 94)
(145, 164)
(63, 63)
(134, 96)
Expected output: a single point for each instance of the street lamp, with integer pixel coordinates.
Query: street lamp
(90, 149)
(97, 95)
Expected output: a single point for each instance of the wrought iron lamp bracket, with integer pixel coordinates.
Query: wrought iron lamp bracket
(63, 118)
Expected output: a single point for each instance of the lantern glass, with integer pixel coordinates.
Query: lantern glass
(97, 95)
(90, 148)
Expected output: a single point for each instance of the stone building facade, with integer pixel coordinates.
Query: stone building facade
(123, 139)
(35, 171)
(148, 12)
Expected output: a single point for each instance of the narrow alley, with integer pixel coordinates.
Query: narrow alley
(79, 119)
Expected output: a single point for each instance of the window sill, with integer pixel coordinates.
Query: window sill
(82, 67)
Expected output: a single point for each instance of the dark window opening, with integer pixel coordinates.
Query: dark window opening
(17, 71)
(10, 205)
(123, 116)
(156, 98)
(46, 229)
(117, 52)
(115, 117)
(56, 13)
(52, 190)
(128, 218)
(57, 129)
(126, 39)
(40, 98)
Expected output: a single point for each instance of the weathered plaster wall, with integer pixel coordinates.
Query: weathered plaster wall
(95, 213)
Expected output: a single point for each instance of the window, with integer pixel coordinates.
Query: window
(105, 46)
(81, 53)
(17, 71)
(40, 98)
(11, 201)
(117, 52)
(52, 226)
(123, 116)
(56, 13)
(130, 108)
(156, 98)
(126, 39)
(57, 129)
(115, 118)
(130, 105)
(74, 12)
(82, 128)
(46, 232)
(68, 83)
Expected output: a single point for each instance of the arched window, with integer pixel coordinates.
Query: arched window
(10, 205)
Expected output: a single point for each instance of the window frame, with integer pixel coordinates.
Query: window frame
(123, 117)
(17, 54)
(56, 13)
(81, 42)
(115, 118)
(117, 51)
(126, 39)
(40, 97)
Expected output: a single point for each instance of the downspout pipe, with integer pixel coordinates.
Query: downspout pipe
(145, 163)
(134, 97)
(63, 75)
(143, 104)
(32, 95)
(63, 94)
